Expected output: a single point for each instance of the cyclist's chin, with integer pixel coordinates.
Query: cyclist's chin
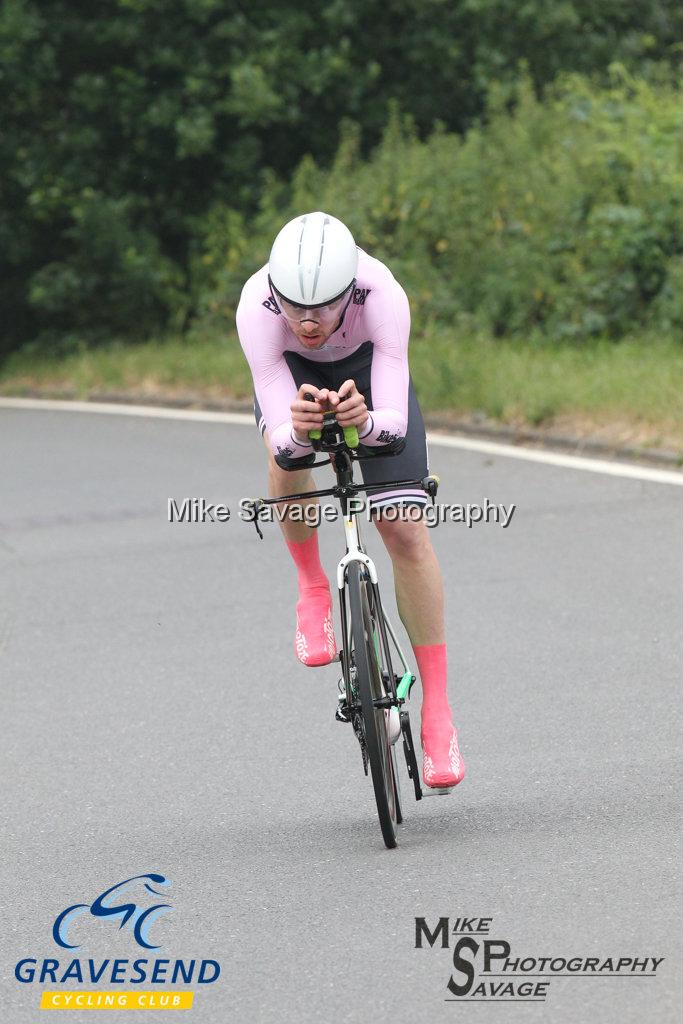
(313, 340)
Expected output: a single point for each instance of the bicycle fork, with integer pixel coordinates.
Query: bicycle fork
(397, 690)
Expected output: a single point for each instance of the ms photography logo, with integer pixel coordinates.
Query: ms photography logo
(128, 905)
(486, 970)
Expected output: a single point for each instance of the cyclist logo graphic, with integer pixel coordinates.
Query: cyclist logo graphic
(140, 918)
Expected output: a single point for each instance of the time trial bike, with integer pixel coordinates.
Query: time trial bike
(372, 696)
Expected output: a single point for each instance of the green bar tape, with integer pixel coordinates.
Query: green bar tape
(350, 436)
(403, 688)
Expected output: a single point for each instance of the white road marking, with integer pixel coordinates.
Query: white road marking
(507, 451)
(625, 469)
(160, 412)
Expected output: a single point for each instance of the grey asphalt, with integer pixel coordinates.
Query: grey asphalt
(154, 718)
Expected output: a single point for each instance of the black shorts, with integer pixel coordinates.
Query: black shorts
(412, 463)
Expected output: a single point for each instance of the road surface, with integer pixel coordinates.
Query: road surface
(155, 720)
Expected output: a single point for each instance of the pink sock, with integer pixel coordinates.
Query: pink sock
(314, 641)
(433, 666)
(310, 573)
(443, 765)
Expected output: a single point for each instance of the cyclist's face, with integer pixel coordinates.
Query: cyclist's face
(312, 333)
(313, 326)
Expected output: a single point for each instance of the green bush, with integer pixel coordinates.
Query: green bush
(172, 112)
(561, 217)
(111, 276)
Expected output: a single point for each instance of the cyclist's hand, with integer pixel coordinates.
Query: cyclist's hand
(309, 415)
(348, 405)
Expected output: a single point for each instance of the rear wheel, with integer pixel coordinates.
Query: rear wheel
(397, 784)
(370, 690)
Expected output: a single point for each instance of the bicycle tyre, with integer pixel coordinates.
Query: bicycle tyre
(397, 786)
(370, 688)
(375, 613)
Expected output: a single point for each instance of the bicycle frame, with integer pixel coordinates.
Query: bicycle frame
(397, 690)
(345, 490)
(356, 553)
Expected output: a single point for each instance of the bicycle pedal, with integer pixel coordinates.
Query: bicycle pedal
(436, 791)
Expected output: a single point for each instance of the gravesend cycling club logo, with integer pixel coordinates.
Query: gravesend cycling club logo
(138, 918)
(486, 969)
(135, 907)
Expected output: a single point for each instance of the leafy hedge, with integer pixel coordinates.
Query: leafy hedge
(560, 218)
(126, 122)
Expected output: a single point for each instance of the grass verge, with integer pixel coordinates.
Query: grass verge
(626, 392)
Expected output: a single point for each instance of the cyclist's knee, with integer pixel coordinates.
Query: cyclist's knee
(406, 536)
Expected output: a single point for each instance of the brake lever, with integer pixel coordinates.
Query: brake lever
(256, 504)
(431, 485)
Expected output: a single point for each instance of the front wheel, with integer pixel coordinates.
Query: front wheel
(370, 689)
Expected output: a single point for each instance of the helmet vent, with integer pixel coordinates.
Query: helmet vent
(320, 257)
(301, 242)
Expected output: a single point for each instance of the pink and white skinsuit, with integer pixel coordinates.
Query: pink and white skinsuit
(370, 346)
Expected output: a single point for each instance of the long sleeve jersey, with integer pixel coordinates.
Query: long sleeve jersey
(378, 312)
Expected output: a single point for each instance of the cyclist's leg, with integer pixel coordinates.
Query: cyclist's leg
(295, 526)
(398, 517)
(419, 592)
(314, 641)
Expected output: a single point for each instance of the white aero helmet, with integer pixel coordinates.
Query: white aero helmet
(312, 264)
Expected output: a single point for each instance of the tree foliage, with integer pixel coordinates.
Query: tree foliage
(561, 218)
(126, 122)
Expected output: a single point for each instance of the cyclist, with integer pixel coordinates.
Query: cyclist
(325, 319)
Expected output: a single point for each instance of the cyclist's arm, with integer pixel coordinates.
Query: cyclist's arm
(387, 316)
(273, 382)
